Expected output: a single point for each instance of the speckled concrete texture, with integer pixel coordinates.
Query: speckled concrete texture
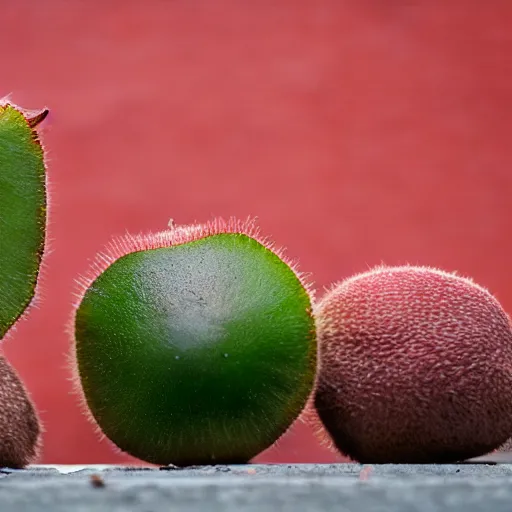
(261, 488)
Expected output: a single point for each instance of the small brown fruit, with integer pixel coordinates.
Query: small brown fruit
(19, 424)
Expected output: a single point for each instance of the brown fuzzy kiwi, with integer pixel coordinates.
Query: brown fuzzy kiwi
(19, 424)
(415, 367)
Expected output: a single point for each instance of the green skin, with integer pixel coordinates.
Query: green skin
(201, 353)
(22, 214)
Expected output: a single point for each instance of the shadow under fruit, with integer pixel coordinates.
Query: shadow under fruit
(196, 345)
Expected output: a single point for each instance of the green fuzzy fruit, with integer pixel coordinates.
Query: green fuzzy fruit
(22, 211)
(195, 346)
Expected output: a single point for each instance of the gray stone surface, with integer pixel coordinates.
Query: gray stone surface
(261, 488)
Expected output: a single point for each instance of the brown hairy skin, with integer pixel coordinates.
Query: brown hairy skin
(415, 367)
(506, 446)
(19, 424)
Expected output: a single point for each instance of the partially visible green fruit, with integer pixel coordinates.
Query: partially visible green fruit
(22, 210)
(196, 345)
(19, 424)
(22, 240)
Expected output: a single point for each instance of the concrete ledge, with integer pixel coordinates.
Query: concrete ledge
(468, 487)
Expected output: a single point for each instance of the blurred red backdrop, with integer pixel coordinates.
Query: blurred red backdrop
(359, 132)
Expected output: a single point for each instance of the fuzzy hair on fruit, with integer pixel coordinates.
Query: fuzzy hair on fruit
(34, 120)
(188, 306)
(178, 235)
(415, 366)
(19, 424)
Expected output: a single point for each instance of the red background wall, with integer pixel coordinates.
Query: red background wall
(359, 132)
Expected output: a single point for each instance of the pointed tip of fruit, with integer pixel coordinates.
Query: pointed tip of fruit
(35, 118)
